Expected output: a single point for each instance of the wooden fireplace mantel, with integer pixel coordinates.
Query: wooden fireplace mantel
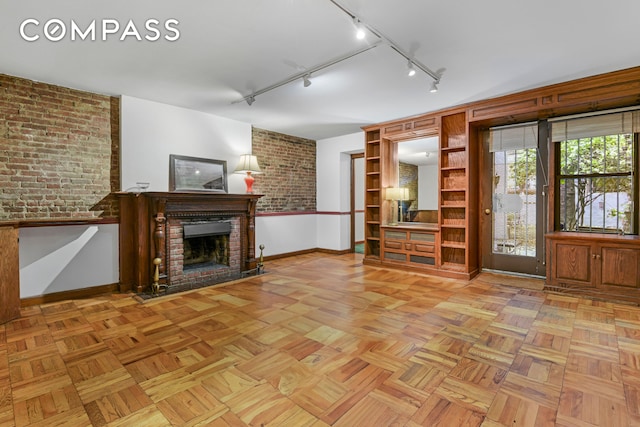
(143, 219)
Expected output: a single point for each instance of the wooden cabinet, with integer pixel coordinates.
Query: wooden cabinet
(9, 274)
(411, 246)
(599, 265)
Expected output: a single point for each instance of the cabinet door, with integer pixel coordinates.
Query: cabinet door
(572, 262)
(620, 266)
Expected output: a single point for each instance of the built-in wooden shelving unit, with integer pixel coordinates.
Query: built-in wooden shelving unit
(454, 191)
(449, 255)
(373, 196)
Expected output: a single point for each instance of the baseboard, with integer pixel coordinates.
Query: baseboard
(71, 294)
(306, 251)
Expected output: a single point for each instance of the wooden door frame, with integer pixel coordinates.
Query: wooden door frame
(352, 213)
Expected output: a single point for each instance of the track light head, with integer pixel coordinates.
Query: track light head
(360, 34)
(250, 99)
(434, 86)
(412, 70)
(306, 80)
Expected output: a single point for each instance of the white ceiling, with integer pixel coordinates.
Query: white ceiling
(229, 48)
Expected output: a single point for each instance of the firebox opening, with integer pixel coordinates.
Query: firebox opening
(206, 245)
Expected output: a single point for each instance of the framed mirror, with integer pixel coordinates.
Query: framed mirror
(197, 174)
(418, 172)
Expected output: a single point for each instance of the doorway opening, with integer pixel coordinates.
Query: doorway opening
(357, 203)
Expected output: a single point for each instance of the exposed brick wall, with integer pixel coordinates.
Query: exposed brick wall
(408, 178)
(59, 151)
(288, 163)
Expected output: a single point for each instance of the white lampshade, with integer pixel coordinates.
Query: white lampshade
(247, 163)
(397, 193)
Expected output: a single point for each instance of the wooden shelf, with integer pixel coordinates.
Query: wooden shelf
(453, 245)
(443, 225)
(446, 149)
(453, 189)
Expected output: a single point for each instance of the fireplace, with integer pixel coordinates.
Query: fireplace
(203, 252)
(196, 239)
(205, 245)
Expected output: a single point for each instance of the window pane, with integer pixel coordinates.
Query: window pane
(596, 204)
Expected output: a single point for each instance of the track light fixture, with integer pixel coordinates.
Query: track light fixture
(412, 71)
(360, 34)
(252, 96)
(414, 62)
(361, 26)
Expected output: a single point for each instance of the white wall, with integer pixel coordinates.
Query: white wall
(428, 187)
(151, 131)
(333, 183)
(283, 234)
(62, 258)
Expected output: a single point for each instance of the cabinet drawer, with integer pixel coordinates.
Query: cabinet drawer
(392, 244)
(418, 247)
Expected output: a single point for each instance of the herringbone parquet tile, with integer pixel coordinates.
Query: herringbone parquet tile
(323, 340)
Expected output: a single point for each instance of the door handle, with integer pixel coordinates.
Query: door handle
(487, 211)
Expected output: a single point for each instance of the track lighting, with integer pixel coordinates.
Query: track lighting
(412, 63)
(306, 75)
(360, 34)
(412, 71)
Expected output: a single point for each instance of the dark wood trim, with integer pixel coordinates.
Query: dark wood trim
(287, 213)
(25, 223)
(71, 294)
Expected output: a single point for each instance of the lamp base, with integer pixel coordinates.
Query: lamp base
(248, 180)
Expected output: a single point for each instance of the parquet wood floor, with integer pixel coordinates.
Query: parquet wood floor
(322, 340)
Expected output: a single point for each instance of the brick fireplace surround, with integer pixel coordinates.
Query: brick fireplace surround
(151, 226)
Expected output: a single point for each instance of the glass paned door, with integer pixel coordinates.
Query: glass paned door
(514, 202)
(512, 230)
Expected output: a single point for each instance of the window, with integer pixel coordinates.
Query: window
(596, 185)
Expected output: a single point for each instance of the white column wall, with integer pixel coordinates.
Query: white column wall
(333, 183)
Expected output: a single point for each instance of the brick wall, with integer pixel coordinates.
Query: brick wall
(59, 151)
(408, 178)
(288, 181)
